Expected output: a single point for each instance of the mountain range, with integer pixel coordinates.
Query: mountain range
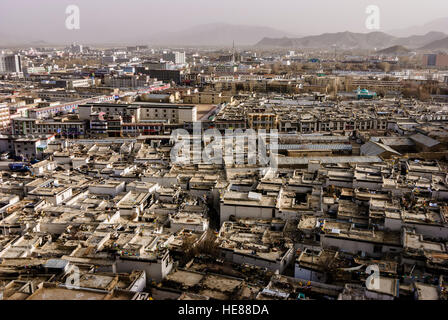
(216, 34)
(429, 36)
(351, 40)
(437, 45)
(440, 25)
(395, 50)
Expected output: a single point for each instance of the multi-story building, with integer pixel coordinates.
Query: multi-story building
(143, 111)
(33, 147)
(127, 81)
(155, 65)
(262, 120)
(10, 63)
(207, 97)
(141, 128)
(65, 127)
(176, 57)
(162, 74)
(26, 147)
(435, 60)
(108, 59)
(5, 120)
(174, 113)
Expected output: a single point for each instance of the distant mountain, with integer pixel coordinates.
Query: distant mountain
(345, 40)
(350, 40)
(217, 34)
(440, 25)
(395, 50)
(437, 45)
(417, 41)
(7, 40)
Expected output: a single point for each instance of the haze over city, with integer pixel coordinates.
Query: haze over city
(114, 21)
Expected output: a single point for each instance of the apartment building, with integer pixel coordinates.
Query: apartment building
(5, 120)
(207, 97)
(144, 111)
(10, 63)
(175, 57)
(133, 81)
(28, 147)
(435, 60)
(65, 127)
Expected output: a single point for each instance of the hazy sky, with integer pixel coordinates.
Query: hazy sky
(115, 19)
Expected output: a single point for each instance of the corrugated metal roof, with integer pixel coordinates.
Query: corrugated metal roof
(56, 264)
(396, 141)
(314, 137)
(372, 148)
(425, 140)
(345, 159)
(315, 147)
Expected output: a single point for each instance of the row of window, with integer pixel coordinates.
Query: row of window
(141, 127)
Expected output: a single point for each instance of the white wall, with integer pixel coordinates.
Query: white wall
(112, 191)
(308, 274)
(244, 212)
(156, 270)
(277, 265)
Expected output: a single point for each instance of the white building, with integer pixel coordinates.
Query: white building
(176, 57)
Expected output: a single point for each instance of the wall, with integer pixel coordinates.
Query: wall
(244, 212)
(278, 265)
(308, 274)
(156, 270)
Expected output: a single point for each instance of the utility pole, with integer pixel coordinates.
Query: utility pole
(233, 52)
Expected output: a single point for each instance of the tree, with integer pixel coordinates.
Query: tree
(384, 66)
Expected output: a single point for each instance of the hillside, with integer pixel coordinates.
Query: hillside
(437, 45)
(395, 50)
(346, 40)
(350, 40)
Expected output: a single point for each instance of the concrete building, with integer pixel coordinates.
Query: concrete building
(435, 60)
(175, 57)
(10, 63)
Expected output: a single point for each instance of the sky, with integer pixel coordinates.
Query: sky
(108, 20)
